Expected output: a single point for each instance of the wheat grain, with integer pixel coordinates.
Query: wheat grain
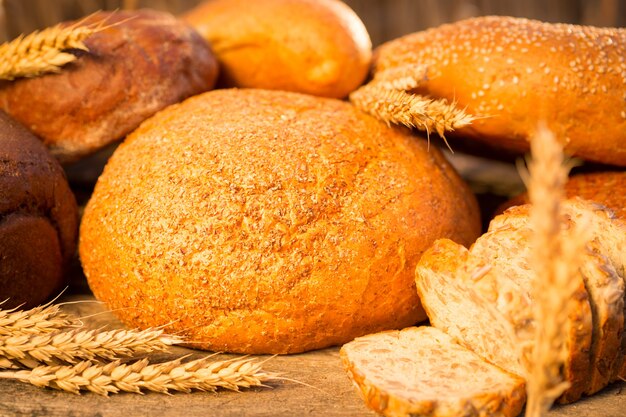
(73, 346)
(554, 261)
(43, 51)
(43, 319)
(411, 110)
(201, 374)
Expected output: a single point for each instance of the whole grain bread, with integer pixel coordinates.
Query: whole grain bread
(608, 238)
(263, 221)
(144, 61)
(422, 372)
(38, 219)
(512, 73)
(318, 47)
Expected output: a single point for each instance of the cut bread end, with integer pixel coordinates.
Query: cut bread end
(421, 371)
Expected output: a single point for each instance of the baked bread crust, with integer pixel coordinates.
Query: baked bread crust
(318, 47)
(513, 73)
(38, 218)
(269, 222)
(420, 371)
(145, 61)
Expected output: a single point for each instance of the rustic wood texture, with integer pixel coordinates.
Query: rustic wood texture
(322, 389)
(384, 19)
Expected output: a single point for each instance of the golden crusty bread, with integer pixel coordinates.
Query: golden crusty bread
(38, 219)
(607, 188)
(513, 73)
(145, 61)
(319, 47)
(263, 221)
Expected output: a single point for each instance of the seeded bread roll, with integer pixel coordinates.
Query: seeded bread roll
(514, 73)
(422, 372)
(269, 222)
(318, 47)
(143, 62)
(38, 219)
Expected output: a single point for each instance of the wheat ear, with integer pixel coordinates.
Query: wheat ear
(201, 374)
(43, 51)
(43, 319)
(412, 110)
(555, 261)
(73, 346)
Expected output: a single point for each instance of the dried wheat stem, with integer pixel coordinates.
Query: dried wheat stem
(201, 374)
(555, 262)
(76, 345)
(42, 51)
(42, 319)
(412, 110)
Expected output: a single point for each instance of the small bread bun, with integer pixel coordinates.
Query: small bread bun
(38, 219)
(261, 221)
(319, 47)
(143, 62)
(514, 73)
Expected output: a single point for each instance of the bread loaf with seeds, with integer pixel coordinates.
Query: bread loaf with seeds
(511, 73)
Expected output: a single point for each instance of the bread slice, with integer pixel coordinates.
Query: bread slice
(444, 280)
(507, 249)
(603, 272)
(420, 371)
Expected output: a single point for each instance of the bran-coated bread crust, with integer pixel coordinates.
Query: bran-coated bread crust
(38, 218)
(318, 47)
(513, 73)
(144, 61)
(269, 222)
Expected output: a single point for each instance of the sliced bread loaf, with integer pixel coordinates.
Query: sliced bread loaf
(444, 279)
(604, 271)
(421, 372)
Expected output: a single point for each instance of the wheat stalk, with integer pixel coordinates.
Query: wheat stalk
(411, 110)
(73, 346)
(200, 374)
(43, 51)
(43, 319)
(555, 261)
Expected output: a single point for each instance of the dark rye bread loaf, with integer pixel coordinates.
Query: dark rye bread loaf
(38, 218)
(143, 62)
(263, 221)
(514, 73)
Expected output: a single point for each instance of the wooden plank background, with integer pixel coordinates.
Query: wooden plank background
(385, 19)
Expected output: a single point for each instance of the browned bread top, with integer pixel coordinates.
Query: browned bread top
(38, 218)
(263, 221)
(606, 188)
(143, 62)
(319, 47)
(513, 73)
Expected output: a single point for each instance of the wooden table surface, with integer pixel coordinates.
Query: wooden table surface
(323, 389)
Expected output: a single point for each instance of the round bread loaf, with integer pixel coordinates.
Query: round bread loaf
(260, 221)
(514, 73)
(38, 219)
(605, 188)
(319, 47)
(143, 62)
